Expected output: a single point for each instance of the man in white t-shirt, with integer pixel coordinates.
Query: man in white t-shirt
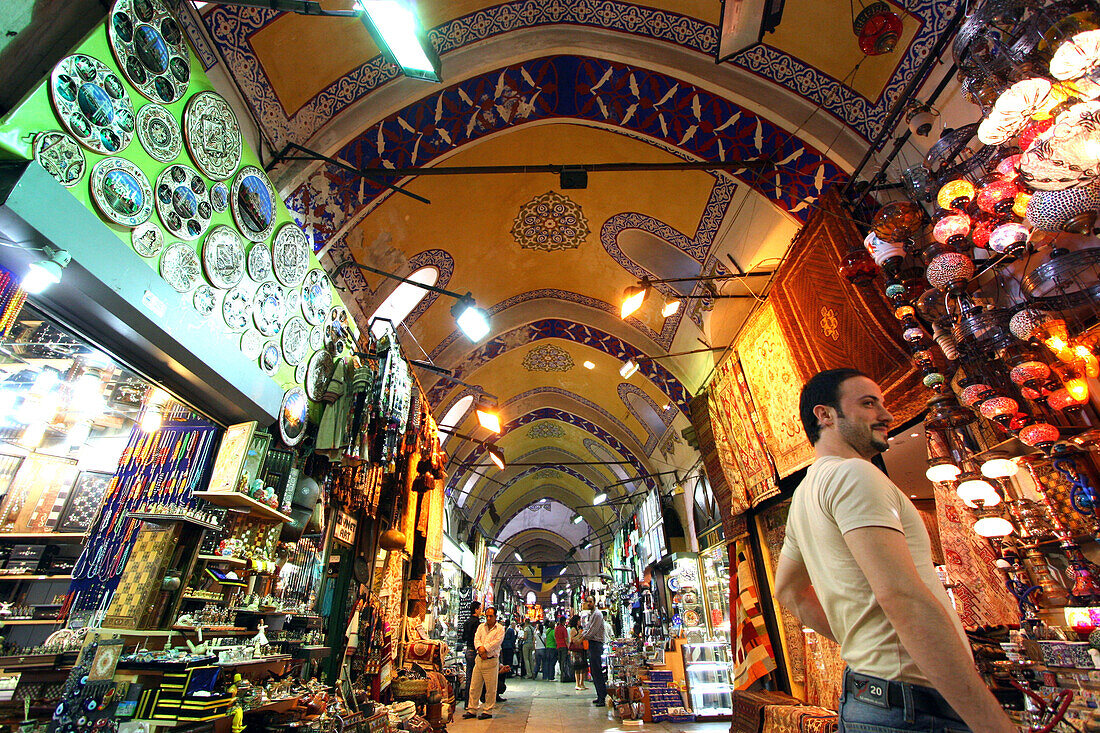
(856, 567)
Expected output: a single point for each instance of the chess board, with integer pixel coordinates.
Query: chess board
(141, 578)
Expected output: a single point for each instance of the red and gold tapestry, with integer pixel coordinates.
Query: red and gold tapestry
(753, 658)
(735, 419)
(728, 491)
(831, 323)
(775, 383)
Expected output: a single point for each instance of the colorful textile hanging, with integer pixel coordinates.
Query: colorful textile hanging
(775, 383)
(725, 494)
(740, 444)
(12, 297)
(752, 651)
(541, 578)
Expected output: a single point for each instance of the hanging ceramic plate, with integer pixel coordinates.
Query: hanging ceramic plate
(219, 197)
(300, 373)
(183, 201)
(316, 297)
(147, 239)
(338, 328)
(270, 358)
(293, 300)
(149, 47)
(290, 254)
(268, 308)
(252, 343)
(205, 300)
(295, 341)
(180, 268)
(252, 200)
(259, 262)
(212, 135)
(294, 416)
(316, 337)
(223, 257)
(91, 102)
(60, 155)
(318, 374)
(159, 133)
(236, 309)
(121, 191)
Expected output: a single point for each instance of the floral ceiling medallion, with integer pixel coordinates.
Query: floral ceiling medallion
(550, 222)
(546, 430)
(548, 358)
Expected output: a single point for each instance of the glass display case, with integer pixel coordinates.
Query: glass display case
(708, 671)
(716, 582)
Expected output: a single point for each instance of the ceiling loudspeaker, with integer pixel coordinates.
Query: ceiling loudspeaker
(573, 177)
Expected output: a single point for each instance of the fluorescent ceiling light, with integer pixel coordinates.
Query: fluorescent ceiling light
(600, 498)
(671, 306)
(577, 519)
(589, 365)
(473, 321)
(627, 370)
(563, 571)
(395, 28)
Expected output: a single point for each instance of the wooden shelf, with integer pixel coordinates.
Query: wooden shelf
(275, 705)
(170, 519)
(227, 560)
(47, 537)
(257, 662)
(133, 632)
(35, 577)
(237, 500)
(32, 622)
(212, 632)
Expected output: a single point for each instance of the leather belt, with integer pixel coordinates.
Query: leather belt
(891, 694)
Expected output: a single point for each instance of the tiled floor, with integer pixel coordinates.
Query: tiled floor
(553, 707)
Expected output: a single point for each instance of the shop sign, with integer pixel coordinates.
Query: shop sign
(344, 529)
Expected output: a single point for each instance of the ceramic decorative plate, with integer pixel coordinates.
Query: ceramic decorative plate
(316, 337)
(252, 343)
(269, 308)
(236, 309)
(295, 341)
(60, 155)
(270, 358)
(159, 133)
(300, 373)
(293, 300)
(219, 196)
(290, 254)
(180, 268)
(259, 262)
(121, 192)
(338, 328)
(316, 297)
(252, 200)
(183, 201)
(147, 239)
(205, 300)
(318, 374)
(294, 416)
(212, 135)
(149, 47)
(91, 102)
(223, 257)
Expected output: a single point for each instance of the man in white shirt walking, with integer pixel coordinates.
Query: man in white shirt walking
(487, 642)
(595, 631)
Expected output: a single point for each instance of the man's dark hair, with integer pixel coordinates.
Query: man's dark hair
(822, 389)
(475, 606)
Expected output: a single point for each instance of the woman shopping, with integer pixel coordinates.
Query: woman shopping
(578, 652)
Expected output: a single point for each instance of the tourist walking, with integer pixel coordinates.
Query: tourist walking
(551, 657)
(508, 648)
(540, 650)
(561, 638)
(469, 630)
(528, 648)
(578, 652)
(487, 641)
(595, 633)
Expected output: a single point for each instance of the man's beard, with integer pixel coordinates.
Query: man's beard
(866, 444)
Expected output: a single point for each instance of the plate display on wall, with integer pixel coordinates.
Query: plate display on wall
(318, 374)
(300, 373)
(223, 257)
(159, 133)
(91, 102)
(316, 337)
(294, 416)
(219, 196)
(121, 191)
(268, 308)
(149, 47)
(338, 328)
(147, 239)
(183, 201)
(259, 262)
(293, 300)
(212, 135)
(60, 155)
(252, 200)
(290, 254)
(205, 300)
(295, 341)
(252, 343)
(316, 297)
(180, 268)
(236, 309)
(270, 358)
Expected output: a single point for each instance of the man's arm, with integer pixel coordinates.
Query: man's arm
(794, 591)
(924, 626)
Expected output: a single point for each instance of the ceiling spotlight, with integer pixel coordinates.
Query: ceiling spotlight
(487, 416)
(586, 545)
(518, 556)
(395, 28)
(633, 296)
(577, 519)
(600, 498)
(496, 455)
(671, 306)
(589, 365)
(563, 571)
(627, 370)
(473, 321)
(46, 272)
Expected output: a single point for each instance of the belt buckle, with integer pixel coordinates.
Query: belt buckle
(871, 691)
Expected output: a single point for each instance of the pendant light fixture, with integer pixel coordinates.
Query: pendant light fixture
(397, 32)
(46, 272)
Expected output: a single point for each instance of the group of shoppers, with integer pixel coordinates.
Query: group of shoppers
(545, 645)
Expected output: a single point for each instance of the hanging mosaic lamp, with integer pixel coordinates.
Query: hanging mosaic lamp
(1026, 324)
(919, 183)
(1078, 60)
(949, 271)
(1031, 131)
(951, 227)
(1019, 204)
(1060, 399)
(898, 221)
(1068, 154)
(1028, 373)
(1010, 238)
(997, 197)
(878, 29)
(999, 409)
(858, 267)
(981, 227)
(955, 194)
(1071, 210)
(975, 393)
(1007, 169)
(1039, 435)
(887, 255)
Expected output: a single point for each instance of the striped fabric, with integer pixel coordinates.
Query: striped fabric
(752, 652)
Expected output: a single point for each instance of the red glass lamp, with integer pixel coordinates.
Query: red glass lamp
(951, 228)
(999, 409)
(997, 197)
(1039, 435)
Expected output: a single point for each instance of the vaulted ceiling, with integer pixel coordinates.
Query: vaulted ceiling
(532, 82)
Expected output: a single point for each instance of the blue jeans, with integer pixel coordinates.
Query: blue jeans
(549, 663)
(857, 716)
(595, 668)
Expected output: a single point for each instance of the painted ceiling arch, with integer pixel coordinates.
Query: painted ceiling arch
(538, 514)
(486, 487)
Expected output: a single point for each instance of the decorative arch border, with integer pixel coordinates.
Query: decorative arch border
(666, 416)
(231, 29)
(603, 92)
(505, 519)
(440, 259)
(452, 480)
(574, 396)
